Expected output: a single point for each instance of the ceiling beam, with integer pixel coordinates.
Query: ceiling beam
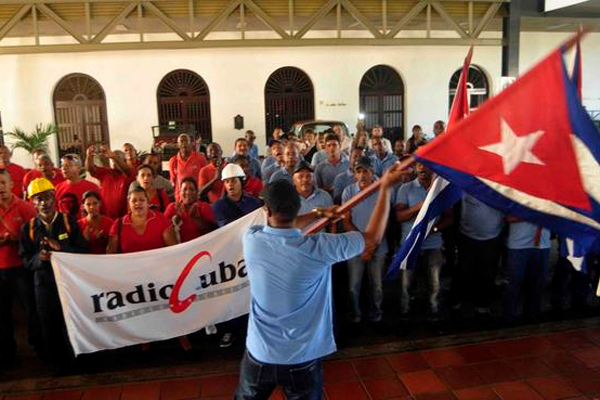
(416, 10)
(47, 11)
(316, 17)
(360, 17)
(148, 5)
(100, 36)
(29, 2)
(233, 4)
(265, 18)
(485, 20)
(448, 18)
(14, 20)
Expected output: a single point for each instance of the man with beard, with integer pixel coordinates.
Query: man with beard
(209, 177)
(49, 231)
(311, 198)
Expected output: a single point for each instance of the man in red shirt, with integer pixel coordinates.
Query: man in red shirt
(114, 182)
(44, 168)
(209, 178)
(16, 171)
(69, 192)
(187, 163)
(15, 281)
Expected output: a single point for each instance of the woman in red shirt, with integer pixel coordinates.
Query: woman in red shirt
(191, 218)
(94, 227)
(158, 198)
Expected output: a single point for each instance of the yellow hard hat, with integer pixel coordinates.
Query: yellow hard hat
(39, 185)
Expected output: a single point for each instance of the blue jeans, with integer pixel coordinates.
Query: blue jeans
(299, 381)
(525, 266)
(356, 270)
(430, 262)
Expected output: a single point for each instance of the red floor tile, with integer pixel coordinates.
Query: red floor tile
(476, 353)
(440, 358)
(64, 395)
(478, 393)
(180, 389)
(407, 362)
(422, 382)
(587, 383)
(529, 367)
(460, 377)
(553, 387)
(592, 335)
(25, 397)
(495, 372)
(221, 385)
(590, 356)
(516, 391)
(385, 388)
(141, 391)
(345, 391)
(373, 367)
(103, 393)
(569, 340)
(564, 363)
(435, 396)
(531, 346)
(339, 371)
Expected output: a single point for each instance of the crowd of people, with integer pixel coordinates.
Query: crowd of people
(115, 201)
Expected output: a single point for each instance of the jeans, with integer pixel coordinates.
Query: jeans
(18, 283)
(356, 270)
(430, 261)
(474, 278)
(525, 266)
(299, 381)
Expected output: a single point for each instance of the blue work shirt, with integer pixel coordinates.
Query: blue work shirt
(226, 210)
(521, 235)
(478, 220)
(341, 182)
(267, 162)
(281, 173)
(410, 194)
(318, 198)
(361, 213)
(325, 171)
(318, 157)
(252, 152)
(269, 171)
(291, 312)
(382, 165)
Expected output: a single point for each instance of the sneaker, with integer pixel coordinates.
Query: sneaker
(210, 329)
(227, 340)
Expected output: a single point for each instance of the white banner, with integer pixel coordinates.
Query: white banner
(112, 301)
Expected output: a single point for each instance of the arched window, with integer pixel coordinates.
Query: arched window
(382, 100)
(477, 86)
(184, 104)
(80, 114)
(289, 97)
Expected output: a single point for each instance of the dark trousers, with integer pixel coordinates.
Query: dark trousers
(18, 283)
(56, 343)
(568, 280)
(526, 272)
(299, 381)
(473, 279)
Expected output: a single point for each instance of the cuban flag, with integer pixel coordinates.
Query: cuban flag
(441, 195)
(532, 151)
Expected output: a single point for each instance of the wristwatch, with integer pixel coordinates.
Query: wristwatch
(318, 211)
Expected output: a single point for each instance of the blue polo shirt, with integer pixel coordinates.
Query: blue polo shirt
(382, 165)
(521, 236)
(478, 220)
(318, 198)
(281, 173)
(361, 213)
(325, 171)
(267, 161)
(318, 157)
(340, 183)
(269, 171)
(291, 312)
(410, 194)
(226, 210)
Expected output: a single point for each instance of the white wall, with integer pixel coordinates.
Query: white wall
(236, 79)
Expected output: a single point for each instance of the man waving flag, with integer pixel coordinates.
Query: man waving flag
(532, 151)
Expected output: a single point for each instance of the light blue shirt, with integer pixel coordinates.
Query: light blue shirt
(318, 157)
(340, 183)
(291, 312)
(410, 194)
(281, 173)
(318, 198)
(252, 152)
(267, 162)
(255, 169)
(325, 171)
(478, 220)
(521, 235)
(268, 172)
(382, 165)
(361, 213)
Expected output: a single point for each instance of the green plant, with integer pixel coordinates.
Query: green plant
(36, 140)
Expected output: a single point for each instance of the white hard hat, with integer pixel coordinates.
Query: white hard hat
(232, 171)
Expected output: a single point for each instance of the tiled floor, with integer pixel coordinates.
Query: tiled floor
(556, 366)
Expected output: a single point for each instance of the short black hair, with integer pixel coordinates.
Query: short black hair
(239, 158)
(282, 199)
(191, 180)
(332, 136)
(4, 171)
(91, 193)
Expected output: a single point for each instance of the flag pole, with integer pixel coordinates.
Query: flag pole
(363, 194)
